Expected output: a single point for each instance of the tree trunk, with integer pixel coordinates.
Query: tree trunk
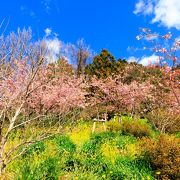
(2, 167)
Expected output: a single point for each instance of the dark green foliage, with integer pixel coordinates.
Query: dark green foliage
(126, 168)
(94, 143)
(69, 162)
(45, 170)
(65, 144)
(48, 169)
(123, 140)
(104, 65)
(95, 164)
(139, 73)
(25, 172)
(37, 148)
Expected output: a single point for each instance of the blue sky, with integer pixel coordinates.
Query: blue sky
(102, 23)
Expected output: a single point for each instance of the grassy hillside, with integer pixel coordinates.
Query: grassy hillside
(117, 153)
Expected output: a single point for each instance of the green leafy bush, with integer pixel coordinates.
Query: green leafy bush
(164, 155)
(114, 126)
(64, 143)
(106, 155)
(38, 148)
(93, 144)
(126, 168)
(130, 126)
(138, 128)
(123, 140)
(47, 169)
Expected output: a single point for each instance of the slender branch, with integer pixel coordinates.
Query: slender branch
(26, 122)
(27, 143)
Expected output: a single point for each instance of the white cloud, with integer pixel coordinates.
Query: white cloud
(165, 12)
(54, 47)
(48, 5)
(27, 11)
(177, 43)
(144, 6)
(139, 7)
(178, 38)
(145, 60)
(48, 31)
(132, 49)
(148, 60)
(132, 59)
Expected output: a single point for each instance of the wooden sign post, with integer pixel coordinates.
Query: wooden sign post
(101, 121)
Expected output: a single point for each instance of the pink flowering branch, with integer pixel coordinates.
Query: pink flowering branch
(158, 45)
(170, 74)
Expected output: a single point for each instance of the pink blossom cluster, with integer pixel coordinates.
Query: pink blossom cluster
(45, 92)
(121, 96)
(169, 52)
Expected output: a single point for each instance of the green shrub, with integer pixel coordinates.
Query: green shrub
(95, 164)
(64, 144)
(130, 126)
(114, 126)
(25, 173)
(137, 128)
(164, 155)
(93, 144)
(126, 168)
(48, 169)
(38, 148)
(123, 140)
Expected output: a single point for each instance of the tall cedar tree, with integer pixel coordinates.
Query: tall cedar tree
(104, 65)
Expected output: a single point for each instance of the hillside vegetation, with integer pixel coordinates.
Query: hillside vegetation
(47, 110)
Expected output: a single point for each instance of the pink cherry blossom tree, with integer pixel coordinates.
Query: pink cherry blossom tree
(31, 91)
(120, 97)
(165, 46)
(167, 49)
(28, 96)
(16, 86)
